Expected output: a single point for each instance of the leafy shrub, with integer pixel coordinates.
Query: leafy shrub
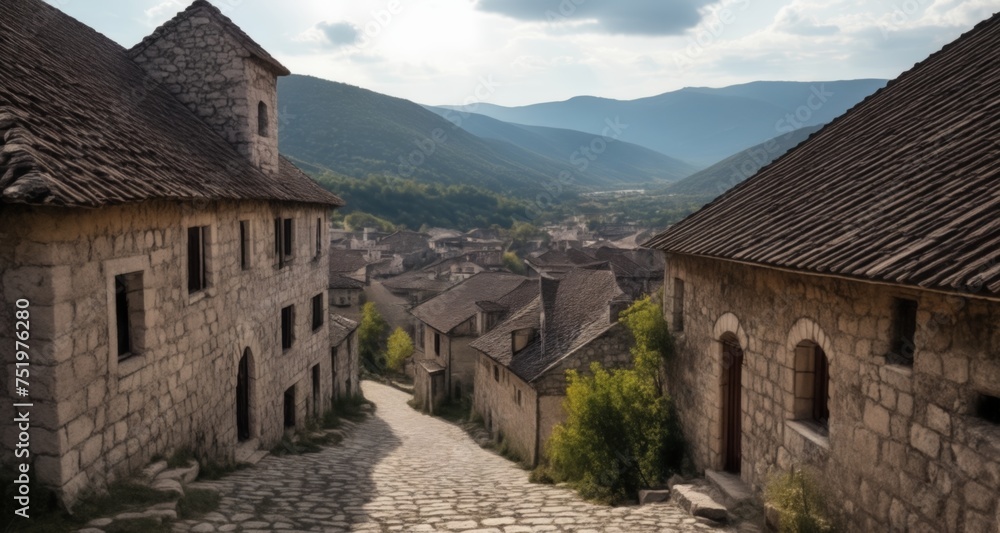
(400, 348)
(800, 503)
(371, 337)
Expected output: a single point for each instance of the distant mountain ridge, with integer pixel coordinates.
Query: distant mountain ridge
(701, 125)
(355, 132)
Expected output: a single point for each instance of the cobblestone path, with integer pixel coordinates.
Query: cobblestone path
(404, 471)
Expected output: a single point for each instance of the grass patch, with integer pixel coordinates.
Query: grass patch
(180, 458)
(197, 502)
(213, 470)
(800, 503)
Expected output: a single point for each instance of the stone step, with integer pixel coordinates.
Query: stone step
(697, 501)
(733, 489)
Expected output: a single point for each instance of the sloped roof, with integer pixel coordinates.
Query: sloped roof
(340, 328)
(903, 188)
(405, 242)
(344, 282)
(576, 312)
(418, 280)
(205, 9)
(82, 126)
(347, 261)
(456, 305)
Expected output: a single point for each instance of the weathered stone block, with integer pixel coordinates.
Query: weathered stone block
(925, 440)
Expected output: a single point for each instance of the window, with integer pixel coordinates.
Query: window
(317, 304)
(333, 372)
(283, 236)
(245, 244)
(812, 384)
(678, 304)
(262, 119)
(196, 259)
(904, 329)
(287, 327)
(988, 408)
(319, 237)
(496, 373)
(290, 407)
(437, 343)
(518, 396)
(128, 314)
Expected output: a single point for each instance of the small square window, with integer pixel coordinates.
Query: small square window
(287, 327)
(317, 312)
(904, 330)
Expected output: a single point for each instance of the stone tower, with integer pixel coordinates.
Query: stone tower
(221, 74)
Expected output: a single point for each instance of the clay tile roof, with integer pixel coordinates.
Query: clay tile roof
(347, 261)
(81, 125)
(344, 282)
(205, 9)
(456, 305)
(576, 312)
(903, 188)
(340, 328)
(406, 242)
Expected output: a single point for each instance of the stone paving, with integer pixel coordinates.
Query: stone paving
(404, 471)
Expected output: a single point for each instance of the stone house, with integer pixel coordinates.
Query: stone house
(171, 261)
(449, 322)
(413, 248)
(520, 373)
(344, 357)
(840, 309)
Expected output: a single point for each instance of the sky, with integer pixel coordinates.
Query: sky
(518, 52)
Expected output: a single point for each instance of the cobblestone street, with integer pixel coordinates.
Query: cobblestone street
(403, 471)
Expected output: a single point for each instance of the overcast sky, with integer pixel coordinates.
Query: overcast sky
(515, 52)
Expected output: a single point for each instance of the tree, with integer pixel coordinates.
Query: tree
(371, 337)
(620, 433)
(514, 263)
(400, 349)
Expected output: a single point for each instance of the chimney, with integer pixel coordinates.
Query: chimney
(221, 75)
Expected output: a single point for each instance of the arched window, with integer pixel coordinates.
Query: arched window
(812, 384)
(262, 119)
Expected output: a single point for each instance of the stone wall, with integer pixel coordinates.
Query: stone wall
(97, 418)
(905, 449)
(348, 368)
(496, 401)
(210, 71)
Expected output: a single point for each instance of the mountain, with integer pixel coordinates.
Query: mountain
(356, 133)
(698, 124)
(606, 156)
(725, 174)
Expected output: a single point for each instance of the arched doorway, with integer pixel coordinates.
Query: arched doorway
(243, 397)
(732, 404)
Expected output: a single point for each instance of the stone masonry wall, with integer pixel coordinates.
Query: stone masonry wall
(496, 401)
(97, 418)
(208, 70)
(905, 449)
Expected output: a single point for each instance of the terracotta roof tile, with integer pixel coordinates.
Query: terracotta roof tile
(903, 188)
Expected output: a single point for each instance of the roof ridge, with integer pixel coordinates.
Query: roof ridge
(245, 40)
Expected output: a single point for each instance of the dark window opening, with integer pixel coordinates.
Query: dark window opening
(196, 259)
(821, 392)
(988, 408)
(678, 314)
(287, 327)
(333, 372)
(129, 314)
(283, 235)
(319, 236)
(262, 119)
(245, 244)
(437, 343)
(290, 407)
(904, 331)
(496, 373)
(317, 311)
(121, 318)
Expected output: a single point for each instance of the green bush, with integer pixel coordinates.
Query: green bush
(371, 338)
(400, 348)
(620, 433)
(799, 502)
